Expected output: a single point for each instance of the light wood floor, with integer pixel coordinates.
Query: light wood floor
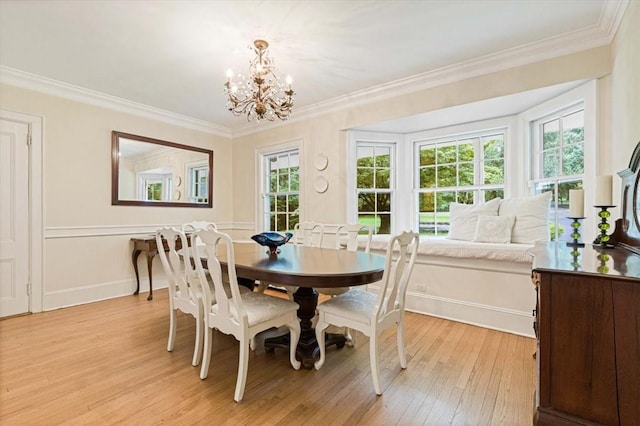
(106, 363)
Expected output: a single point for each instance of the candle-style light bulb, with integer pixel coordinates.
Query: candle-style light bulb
(229, 74)
(289, 81)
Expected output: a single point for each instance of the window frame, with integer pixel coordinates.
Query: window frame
(585, 96)
(375, 139)
(478, 187)
(262, 180)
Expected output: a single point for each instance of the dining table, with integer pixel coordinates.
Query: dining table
(307, 268)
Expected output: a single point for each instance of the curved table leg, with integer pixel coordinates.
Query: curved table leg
(134, 259)
(307, 351)
(150, 256)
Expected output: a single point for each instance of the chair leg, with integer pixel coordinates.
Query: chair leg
(172, 329)
(206, 356)
(294, 333)
(373, 357)
(197, 350)
(320, 327)
(350, 335)
(400, 338)
(243, 364)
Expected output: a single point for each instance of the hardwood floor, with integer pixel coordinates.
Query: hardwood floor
(106, 363)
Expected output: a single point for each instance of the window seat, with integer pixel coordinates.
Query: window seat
(484, 284)
(438, 246)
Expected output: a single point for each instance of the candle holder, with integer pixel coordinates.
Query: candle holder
(575, 256)
(603, 226)
(575, 234)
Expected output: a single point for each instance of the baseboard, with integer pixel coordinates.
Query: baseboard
(94, 293)
(492, 317)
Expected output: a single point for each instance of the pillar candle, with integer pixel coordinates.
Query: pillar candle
(576, 203)
(603, 190)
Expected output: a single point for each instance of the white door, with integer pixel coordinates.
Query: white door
(14, 218)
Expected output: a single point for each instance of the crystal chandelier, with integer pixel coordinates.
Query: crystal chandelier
(261, 95)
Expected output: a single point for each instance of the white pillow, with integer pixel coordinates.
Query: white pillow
(494, 229)
(532, 217)
(463, 218)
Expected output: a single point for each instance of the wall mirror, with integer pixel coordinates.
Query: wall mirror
(152, 172)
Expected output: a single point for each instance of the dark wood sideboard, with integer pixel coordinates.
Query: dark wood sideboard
(588, 335)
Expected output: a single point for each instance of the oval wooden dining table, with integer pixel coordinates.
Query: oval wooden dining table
(307, 268)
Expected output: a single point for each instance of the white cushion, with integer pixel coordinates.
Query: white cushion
(463, 218)
(532, 217)
(494, 229)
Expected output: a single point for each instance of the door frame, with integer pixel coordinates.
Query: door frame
(35, 208)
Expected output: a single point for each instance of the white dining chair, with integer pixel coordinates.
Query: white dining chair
(372, 313)
(182, 296)
(346, 238)
(242, 315)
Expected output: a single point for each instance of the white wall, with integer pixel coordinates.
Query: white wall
(87, 252)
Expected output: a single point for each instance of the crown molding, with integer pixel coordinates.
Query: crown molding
(14, 77)
(597, 35)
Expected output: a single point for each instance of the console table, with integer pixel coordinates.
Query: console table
(150, 248)
(587, 323)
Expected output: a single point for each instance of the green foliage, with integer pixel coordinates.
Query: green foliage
(552, 231)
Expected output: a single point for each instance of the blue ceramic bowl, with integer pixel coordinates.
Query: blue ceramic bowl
(272, 240)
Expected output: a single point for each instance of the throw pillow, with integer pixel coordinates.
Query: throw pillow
(463, 218)
(532, 217)
(494, 229)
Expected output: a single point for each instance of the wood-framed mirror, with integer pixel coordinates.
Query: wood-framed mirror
(153, 172)
(627, 231)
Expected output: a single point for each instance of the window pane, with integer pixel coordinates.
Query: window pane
(271, 201)
(383, 178)
(281, 203)
(466, 174)
(365, 178)
(466, 150)
(550, 135)
(447, 176)
(573, 159)
(383, 202)
(383, 156)
(490, 194)
(465, 197)
(283, 181)
(273, 181)
(427, 177)
(573, 126)
(443, 199)
(425, 202)
(550, 166)
(446, 154)
(293, 203)
(272, 222)
(281, 224)
(493, 171)
(427, 223)
(493, 147)
(294, 180)
(293, 220)
(365, 156)
(366, 202)
(384, 221)
(427, 156)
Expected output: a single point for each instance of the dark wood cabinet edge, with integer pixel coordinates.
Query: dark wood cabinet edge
(550, 417)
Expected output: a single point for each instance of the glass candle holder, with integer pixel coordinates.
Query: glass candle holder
(575, 233)
(603, 226)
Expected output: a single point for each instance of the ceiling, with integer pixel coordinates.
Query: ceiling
(172, 56)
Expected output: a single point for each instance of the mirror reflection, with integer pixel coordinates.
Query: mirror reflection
(152, 172)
